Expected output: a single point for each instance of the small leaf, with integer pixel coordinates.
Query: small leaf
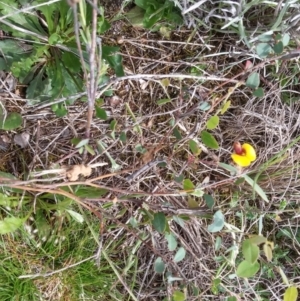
(163, 101)
(179, 221)
(245, 269)
(218, 222)
(197, 192)
(278, 47)
(291, 294)
(180, 254)
(268, 248)
(113, 125)
(225, 107)
(285, 39)
(253, 80)
(11, 224)
(209, 200)
(204, 106)
(123, 137)
(177, 134)
(259, 92)
(213, 122)
(209, 140)
(172, 242)
(159, 265)
(192, 203)
(257, 239)
(218, 243)
(194, 148)
(188, 185)
(12, 121)
(159, 222)
(178, 296)
(250, 251)
(257, 188)
(179, 178)
(232, 298)
(82, 143)
(89, 149)
(101, 113)
(263, 49)
(76, 216)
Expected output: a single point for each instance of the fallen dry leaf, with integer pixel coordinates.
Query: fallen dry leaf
(22, 139)
(75, 171)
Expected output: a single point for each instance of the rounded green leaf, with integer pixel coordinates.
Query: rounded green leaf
(178, 296)
(159, 222)
(291, 294)
(101, 113)
(159, 265)
(209, 140)
(278, 47)
(172, 242)
(213, 122)
(253, 80)
(194, 148)
(180, 254)
(246, 269)
(209, 200)
(285, 39)
(263, 49)
(218, 222)
(259, 92)
(12, 121)
(250, 251)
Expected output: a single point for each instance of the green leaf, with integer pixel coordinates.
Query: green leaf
(197, 192)
(204, 106)
(257, 239)
(113, 125)
(60, 110)
(159, 222)
(225, 107)
(101, 113)
(218, 222)
(159, 265)
(163, 101)
(123, 137)
(259, 92)
(245, 269)
(11, 224)
(263, 49)
(209, 200)
(90, 192)
(231, 298)
(188, 184)
(135, 16)
(103, 25)
(8, 201)
(253, 80)
(172, 242)
(213, 122)
(89, 149)
(257, 188)
(180, 254)
(291, 294)
(113, 59)
(12, 121)
(209, 140)
(82, 143)
(179, 178)
(250, 251)
(177, 134)
(285, 39)
(278, 47)
(178, 296)
(76, 216)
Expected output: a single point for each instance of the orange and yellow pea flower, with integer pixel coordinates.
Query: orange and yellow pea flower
(244, 154)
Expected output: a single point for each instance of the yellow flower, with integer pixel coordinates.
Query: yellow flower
(243, 154)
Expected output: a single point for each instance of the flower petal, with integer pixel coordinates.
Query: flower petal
(250, 152)
(240, 160)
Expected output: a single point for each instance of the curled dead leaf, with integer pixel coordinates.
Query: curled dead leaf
(75, 171)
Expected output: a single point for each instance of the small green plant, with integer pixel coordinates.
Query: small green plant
(155, 14)
(44, 55)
